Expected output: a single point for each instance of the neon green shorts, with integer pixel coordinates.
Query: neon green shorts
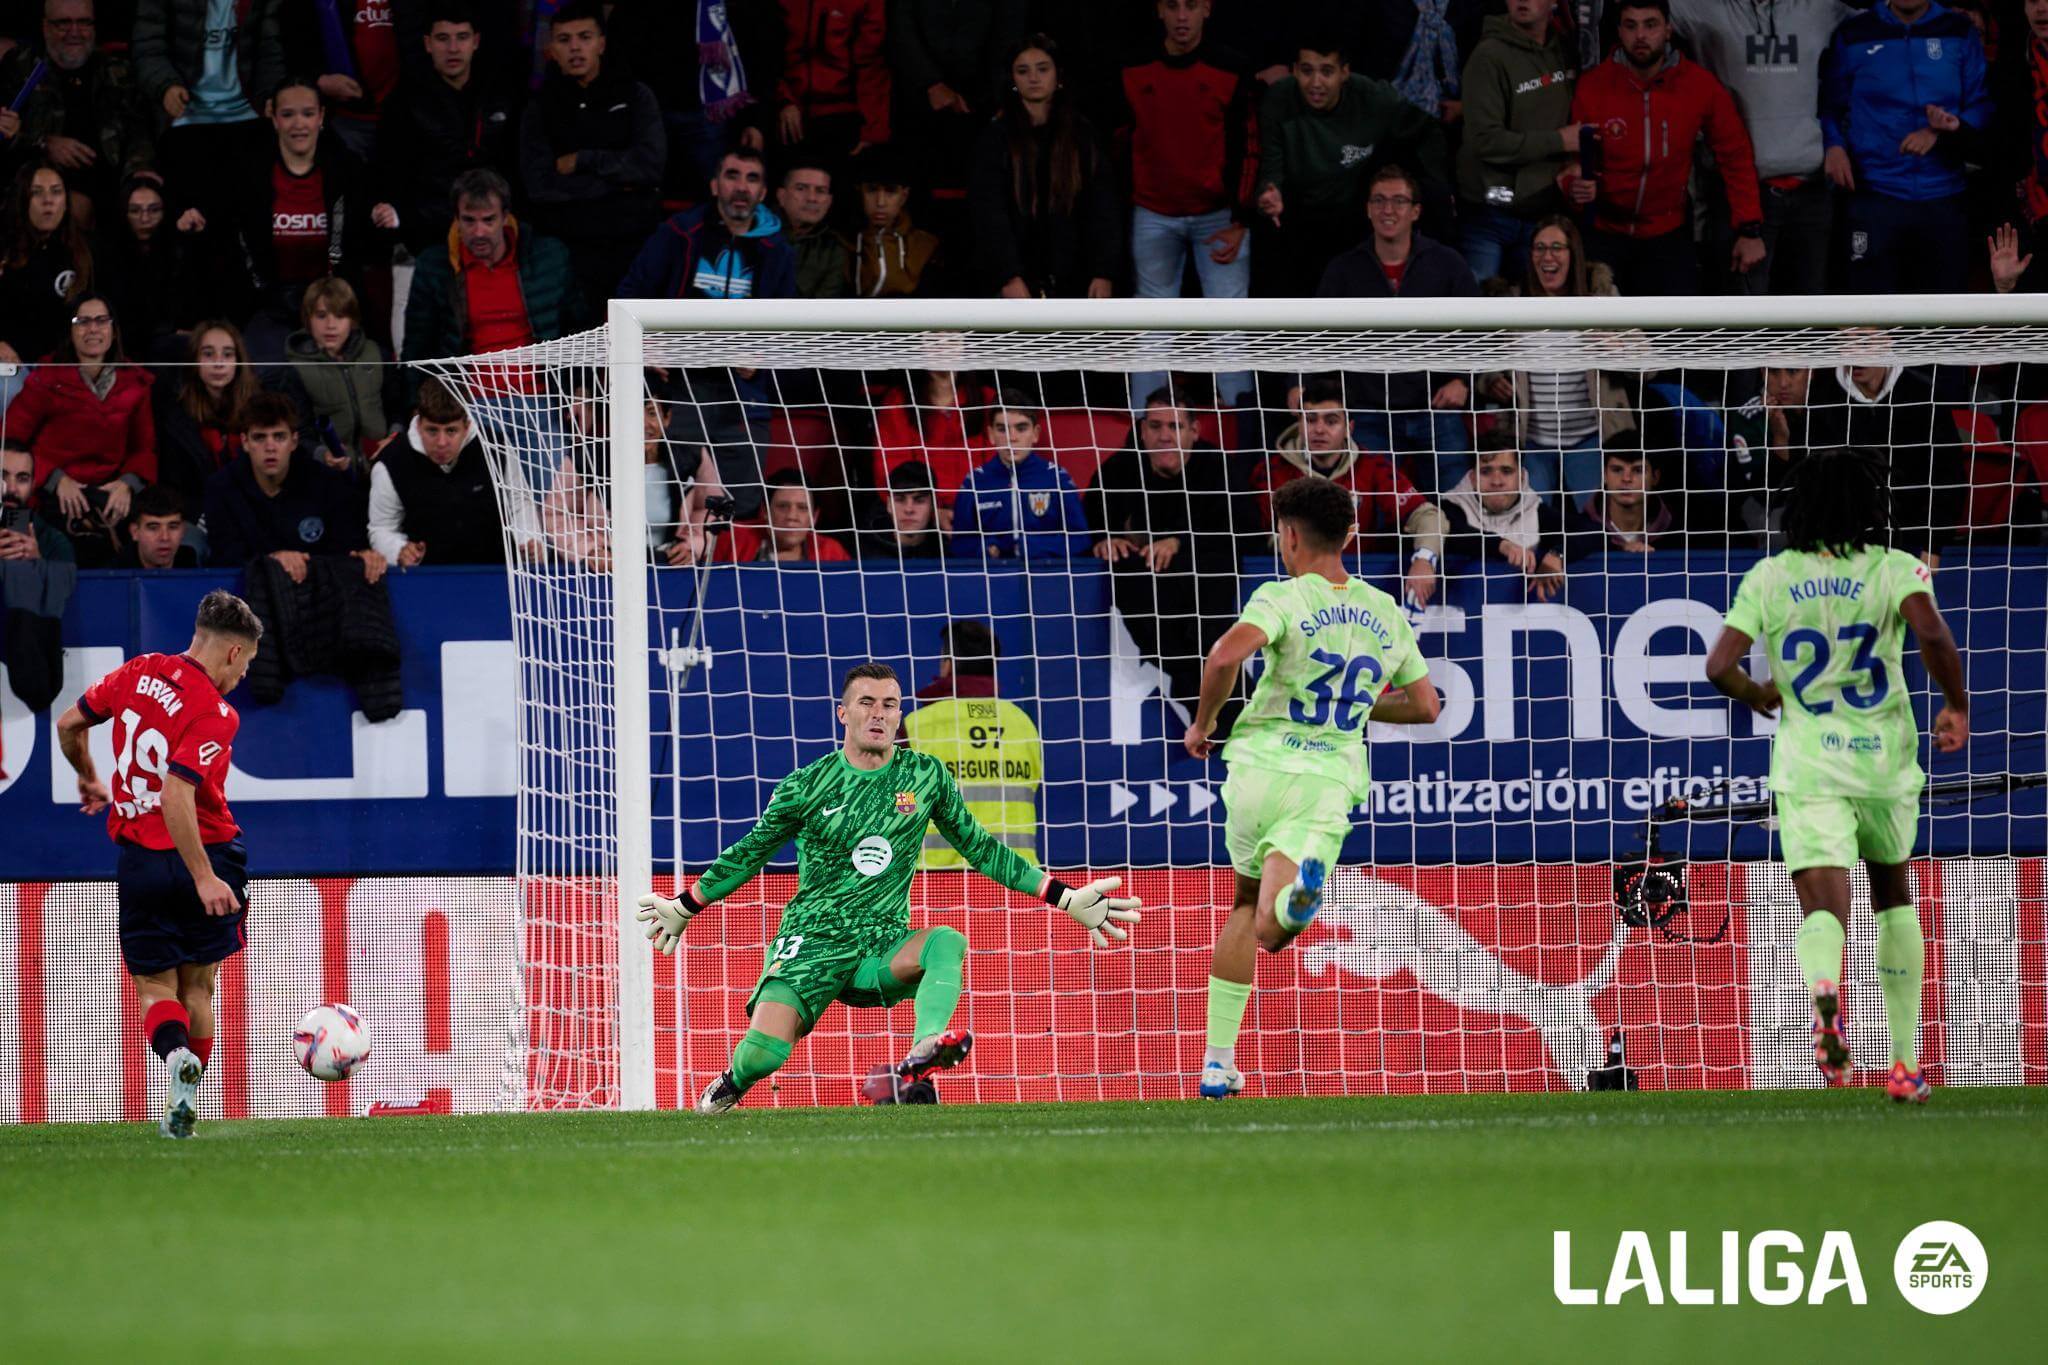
(1837, 831)
(1293, 814)
(810, 971)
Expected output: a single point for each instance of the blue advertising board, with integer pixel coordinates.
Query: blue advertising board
(1564, 722)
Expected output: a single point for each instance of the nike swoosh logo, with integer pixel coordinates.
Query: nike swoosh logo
(832, 810)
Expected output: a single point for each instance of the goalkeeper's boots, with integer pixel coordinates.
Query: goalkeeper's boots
(1220, 1082)
(1302, 898)
(181, 1104)
(719, 1096)
(1830, 1053)
(936, 1053)
(1908, 1087)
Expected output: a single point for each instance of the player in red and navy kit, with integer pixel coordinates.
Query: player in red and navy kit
(182, 869)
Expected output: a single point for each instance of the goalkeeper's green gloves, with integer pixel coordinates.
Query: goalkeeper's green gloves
(1094, 909)
(666, 919)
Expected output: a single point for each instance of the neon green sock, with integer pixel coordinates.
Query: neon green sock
(1819, 945)
(1901, 960)
(757, 1058)
(1227, 1001)
(938, 994)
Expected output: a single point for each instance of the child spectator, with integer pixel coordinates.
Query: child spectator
(156, 533)
(355, 395)
(1492, 515)
(1020, 505)
(905, 524)
(891, 258)
(791, 535)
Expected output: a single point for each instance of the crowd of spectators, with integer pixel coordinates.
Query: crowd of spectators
(226, 223)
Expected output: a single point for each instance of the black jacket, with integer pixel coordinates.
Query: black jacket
(1056, 254)
(1434, 271)
(185, 460)
(427, 134)
(614, 126)
(319, 512)
(334, 622)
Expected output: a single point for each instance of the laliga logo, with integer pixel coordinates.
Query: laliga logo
(1940, 1267)
(1775, 1278)
(872, 855)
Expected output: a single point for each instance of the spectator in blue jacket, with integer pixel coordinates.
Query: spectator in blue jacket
(1019, 490)
(1902, 92)
(729, 248)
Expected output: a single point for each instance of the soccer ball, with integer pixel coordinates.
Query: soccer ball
(331, 1041)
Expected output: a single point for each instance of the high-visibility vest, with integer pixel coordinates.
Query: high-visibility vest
(991, 748)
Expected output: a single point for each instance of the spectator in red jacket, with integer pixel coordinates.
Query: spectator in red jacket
(940, 425)
(1650, 106)
(1187, 120)
(86, 415)
(791, 535)
(1389, 507)
(835, 77)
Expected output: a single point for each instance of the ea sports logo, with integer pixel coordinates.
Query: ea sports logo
(873, 855)
(1940, 1267)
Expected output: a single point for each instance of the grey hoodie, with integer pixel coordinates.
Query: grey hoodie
(1767, 52)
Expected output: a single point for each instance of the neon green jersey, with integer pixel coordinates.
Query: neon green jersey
(1832, 629)
(1330, 652)
(857, 835)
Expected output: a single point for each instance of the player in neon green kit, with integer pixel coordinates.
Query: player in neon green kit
(1831, 609)
(858, 816)
(1332, 644)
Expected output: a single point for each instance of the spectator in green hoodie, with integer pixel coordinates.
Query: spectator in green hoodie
(1519, 134)
(1323, 134)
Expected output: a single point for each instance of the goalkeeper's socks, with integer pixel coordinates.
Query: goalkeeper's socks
(758, 1057)
(168, 1027)
(1227, 1001)
(938, 993)
(1901, 960)
(1819, 948)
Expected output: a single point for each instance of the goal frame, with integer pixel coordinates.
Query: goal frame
(1623, 320)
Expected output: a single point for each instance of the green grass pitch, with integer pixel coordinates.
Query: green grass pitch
(1275, 1231)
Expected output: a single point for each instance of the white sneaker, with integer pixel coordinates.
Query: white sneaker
(1220, 1082)
(181, 1108)
(718, 1096)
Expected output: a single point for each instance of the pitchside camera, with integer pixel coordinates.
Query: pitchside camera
(1649, 894)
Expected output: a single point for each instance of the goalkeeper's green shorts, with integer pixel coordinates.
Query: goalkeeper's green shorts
(1298, 815)
(817, 969)
(1838, 831)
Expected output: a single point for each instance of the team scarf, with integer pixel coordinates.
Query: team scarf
(721, 76)
(1430, 70)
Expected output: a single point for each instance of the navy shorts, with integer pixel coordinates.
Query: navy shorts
(162, 922)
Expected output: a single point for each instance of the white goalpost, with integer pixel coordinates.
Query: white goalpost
(1490, 929)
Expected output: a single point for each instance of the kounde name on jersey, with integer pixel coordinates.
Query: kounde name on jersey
(1833, 633)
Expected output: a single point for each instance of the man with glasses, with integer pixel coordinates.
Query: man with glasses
(87, 115)
(1418, 415)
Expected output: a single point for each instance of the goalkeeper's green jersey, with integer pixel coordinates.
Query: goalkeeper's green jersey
(1832, 630)
(857, 835)
(1330, 652)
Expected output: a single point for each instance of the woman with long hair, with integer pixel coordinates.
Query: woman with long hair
(45, 265)
(86, 416)
(1561, 416)
(145, 265)
(1047, 217)
(199, 414)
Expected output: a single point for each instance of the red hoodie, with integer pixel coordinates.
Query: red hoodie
(1647, 131)
(74, 431)
(833, 62)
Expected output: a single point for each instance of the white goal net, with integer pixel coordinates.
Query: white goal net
(1041, 515)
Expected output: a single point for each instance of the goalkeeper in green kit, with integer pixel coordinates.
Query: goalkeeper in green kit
(1333, 644)
(858, 816)
(1831, 610)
